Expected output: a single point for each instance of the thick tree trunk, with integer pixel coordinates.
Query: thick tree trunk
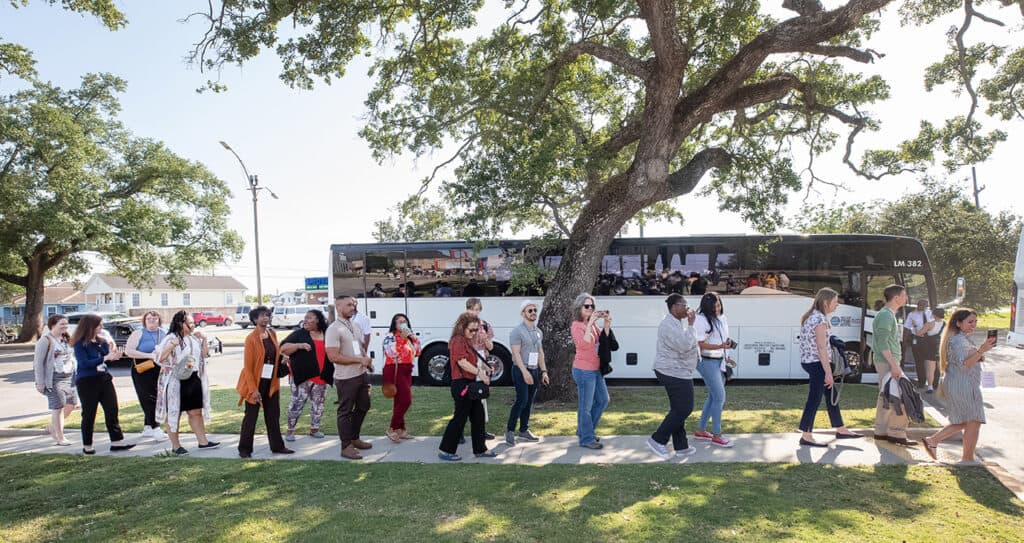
(32, 324)
(598, 223)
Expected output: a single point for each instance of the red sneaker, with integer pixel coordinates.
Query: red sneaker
(701, 434)
(721, 441)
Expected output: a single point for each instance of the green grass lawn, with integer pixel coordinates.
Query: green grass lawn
(633, 411)
(64, 497)
(998, 320)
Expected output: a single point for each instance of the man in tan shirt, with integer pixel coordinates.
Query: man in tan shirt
(343, 342)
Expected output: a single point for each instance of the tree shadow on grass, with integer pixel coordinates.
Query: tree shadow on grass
(972, 481)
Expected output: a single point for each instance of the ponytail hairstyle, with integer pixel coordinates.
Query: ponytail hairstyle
(952, 328)
(821, 301)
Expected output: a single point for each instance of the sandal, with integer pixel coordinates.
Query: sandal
(393, 435)
(930, 449)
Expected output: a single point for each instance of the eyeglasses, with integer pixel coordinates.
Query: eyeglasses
(588, 306)
(531, 310)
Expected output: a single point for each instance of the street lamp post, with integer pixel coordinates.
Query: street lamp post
(254, 186)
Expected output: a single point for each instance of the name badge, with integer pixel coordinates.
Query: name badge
(357, 348)
(533, 361)
(268, 371)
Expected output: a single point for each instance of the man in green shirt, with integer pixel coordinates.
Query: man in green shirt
(886, 355)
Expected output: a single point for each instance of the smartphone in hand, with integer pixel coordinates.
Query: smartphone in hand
(993, 334)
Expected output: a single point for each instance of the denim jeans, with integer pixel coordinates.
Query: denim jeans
(524, 399)
(593, 399)
(814, 393)
(710, 370)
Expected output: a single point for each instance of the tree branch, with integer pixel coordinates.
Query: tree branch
(769, 90)
(685, 179)
(803, 7)
(616, 57)
(20, 280)
(556, 214)
(866, 56)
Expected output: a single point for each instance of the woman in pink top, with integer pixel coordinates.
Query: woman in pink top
(590, 386)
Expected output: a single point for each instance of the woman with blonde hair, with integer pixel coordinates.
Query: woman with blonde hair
(141, 347)
(816, 361)
(592, 392)
(960, 362)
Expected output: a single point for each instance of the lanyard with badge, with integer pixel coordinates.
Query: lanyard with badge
(357, 347)
(268, 364)
(534, 359)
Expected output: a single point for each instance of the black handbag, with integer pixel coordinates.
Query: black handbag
(477, 390)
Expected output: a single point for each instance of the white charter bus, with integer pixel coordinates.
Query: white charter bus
(1016, 335)
(635, 277)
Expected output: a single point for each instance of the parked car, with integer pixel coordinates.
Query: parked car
(209, 317)
(291, 316)
(73, 318)
(242, 316)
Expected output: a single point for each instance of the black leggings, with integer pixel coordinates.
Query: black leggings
(145, 388)
(95, 391)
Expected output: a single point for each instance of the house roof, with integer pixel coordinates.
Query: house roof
(61, 293)
(192, 282)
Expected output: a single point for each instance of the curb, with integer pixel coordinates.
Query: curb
(22, 432)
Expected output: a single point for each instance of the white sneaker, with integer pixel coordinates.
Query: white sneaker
(658, 449)
(686, 452)
(147, 431)
(159, 435)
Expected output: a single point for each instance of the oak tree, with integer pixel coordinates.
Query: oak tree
(73, 181)
(579, 114)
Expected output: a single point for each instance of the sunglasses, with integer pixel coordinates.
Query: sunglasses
(472, 330)
(531, 310)
(588, 306)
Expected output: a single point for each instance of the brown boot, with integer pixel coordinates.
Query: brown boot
(351, 453)
(360, 444)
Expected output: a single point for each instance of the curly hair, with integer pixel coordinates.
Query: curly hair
(463, 322)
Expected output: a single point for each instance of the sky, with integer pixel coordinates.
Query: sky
(304, 145)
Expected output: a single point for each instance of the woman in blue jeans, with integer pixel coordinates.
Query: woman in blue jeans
(712, 331)
(586, 369)
(815, 360)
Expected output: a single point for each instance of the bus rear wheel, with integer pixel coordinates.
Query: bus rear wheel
(501, 361)
(435, 366)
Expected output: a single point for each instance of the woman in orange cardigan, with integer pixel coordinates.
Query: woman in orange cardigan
(258, 385)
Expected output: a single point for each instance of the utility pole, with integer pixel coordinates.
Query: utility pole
(254, 186)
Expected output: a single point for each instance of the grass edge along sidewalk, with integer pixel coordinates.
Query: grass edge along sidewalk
(50, 497)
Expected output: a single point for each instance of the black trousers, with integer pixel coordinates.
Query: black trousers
(465, 408)
(271, 417)
(93, 392)
(145, 388)
(353, 404)
(680, 401)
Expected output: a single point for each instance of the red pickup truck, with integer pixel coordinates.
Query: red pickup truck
(209, 317)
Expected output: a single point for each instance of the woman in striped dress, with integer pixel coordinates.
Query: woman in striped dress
(961, 383)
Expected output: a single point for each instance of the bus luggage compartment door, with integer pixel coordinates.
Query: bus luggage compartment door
(765, 352)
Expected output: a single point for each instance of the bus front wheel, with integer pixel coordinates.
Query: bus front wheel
(435, 366)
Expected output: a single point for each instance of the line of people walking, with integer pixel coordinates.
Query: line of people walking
(170, 378)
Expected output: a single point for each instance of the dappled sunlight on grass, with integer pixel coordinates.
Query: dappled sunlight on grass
(476, 524)
(563, 499)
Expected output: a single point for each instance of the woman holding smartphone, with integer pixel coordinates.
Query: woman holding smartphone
(401, 348)
(712, 330)
(586, 368)
(960, 362)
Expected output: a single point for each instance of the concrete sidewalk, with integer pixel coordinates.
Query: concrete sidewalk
(770, 448)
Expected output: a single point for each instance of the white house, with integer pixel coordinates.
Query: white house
(108, 292)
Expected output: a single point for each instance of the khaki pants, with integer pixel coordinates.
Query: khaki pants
(887, 422)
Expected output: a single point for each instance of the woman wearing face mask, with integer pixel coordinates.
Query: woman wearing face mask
(816, 361)
(141, 347)
(55, 372)
(183, 346)
(401, 348)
